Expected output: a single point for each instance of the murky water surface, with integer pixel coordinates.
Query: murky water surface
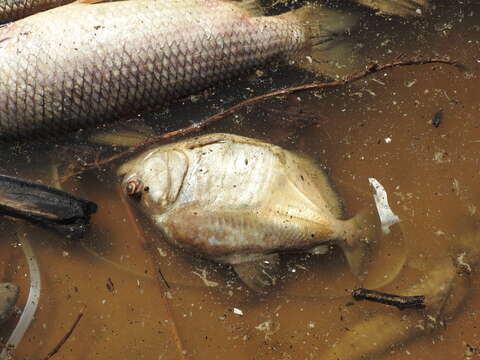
(381, 127)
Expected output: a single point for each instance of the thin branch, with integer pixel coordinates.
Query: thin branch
(401, 302)
(65, 337)
(371, 69)
(161, 279)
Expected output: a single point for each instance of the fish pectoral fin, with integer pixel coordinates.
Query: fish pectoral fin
(259, 275)
(320, 249)
(360, 241)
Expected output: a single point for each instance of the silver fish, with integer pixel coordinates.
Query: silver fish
(80, 65)
(8, 297)
(241, 201)
(11, 10)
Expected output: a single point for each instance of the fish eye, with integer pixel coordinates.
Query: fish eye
(133, 187)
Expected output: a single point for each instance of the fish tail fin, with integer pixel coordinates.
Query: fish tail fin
(359, 237)
(328, 50)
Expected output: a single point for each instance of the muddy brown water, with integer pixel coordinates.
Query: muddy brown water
(381, 128)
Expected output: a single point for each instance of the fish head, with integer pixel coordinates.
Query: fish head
(8, 297)
(155, 179)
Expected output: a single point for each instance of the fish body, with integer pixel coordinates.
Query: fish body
(241, 201)
(8, 297)
(11, 10)
(80, 65)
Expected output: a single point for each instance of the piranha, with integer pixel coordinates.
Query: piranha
(241, 201)
(8, 297)
(82, 64)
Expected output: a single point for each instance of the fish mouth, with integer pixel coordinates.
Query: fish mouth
(133, 186)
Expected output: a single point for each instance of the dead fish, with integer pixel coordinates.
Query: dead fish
(80, 64)
(8, 297)
(241, 201)
(11, 10)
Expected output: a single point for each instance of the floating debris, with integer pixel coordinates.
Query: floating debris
(237, 311)
(268, 327)
(203, 275)
(463, 264)
(45, 206)
(401, 302)
(437, 118)
(387, 216)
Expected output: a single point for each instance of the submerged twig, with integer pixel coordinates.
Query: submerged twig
(65, 337)
(371, 69)
(164, 284)
(401, 302)
(44, 205)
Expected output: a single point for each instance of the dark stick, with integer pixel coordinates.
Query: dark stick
(65, 337)
(371, 69)
(401, 302)
(163, 278)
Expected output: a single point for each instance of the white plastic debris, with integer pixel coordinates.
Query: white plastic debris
(387, 217)
(237, 311)
(202, 274)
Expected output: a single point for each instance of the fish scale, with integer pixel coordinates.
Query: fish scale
(11, 10)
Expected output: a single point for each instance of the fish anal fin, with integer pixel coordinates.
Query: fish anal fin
(261, 274)
(361, 234)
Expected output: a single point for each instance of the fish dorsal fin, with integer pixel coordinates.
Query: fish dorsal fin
(261, 274)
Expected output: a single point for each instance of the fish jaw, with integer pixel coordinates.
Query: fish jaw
(155, 179)
(8, 297)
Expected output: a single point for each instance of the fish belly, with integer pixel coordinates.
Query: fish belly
(80, 65)
(223, 234)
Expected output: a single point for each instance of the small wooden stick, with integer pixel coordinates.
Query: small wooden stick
(165, 287)
(401, 302)
(65, 337)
